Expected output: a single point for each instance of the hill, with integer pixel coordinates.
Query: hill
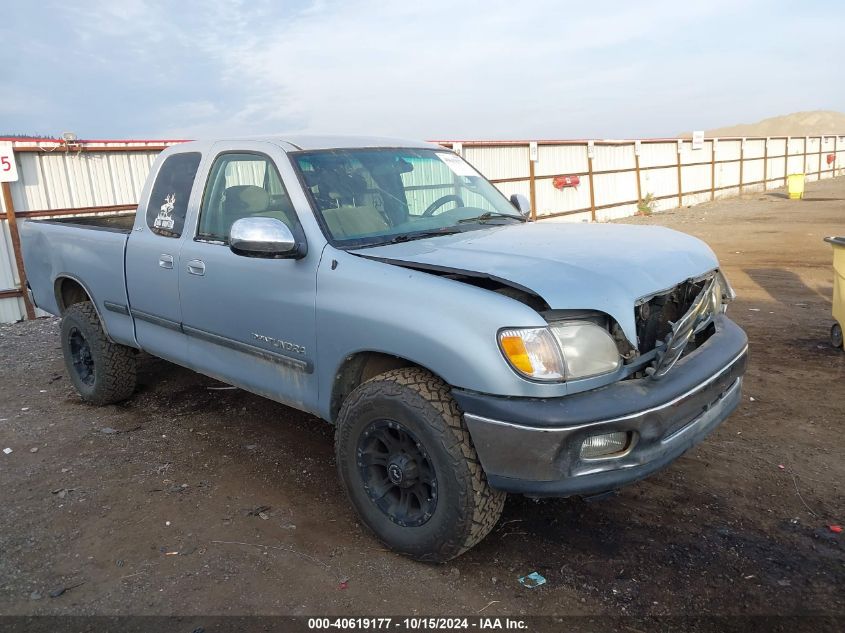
(797, 124)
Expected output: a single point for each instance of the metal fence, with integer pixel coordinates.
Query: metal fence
(565, 180)
(613, 177)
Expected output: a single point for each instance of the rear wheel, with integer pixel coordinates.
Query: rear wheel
(409, 467)
(102, 372)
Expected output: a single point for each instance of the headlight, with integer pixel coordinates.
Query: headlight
(566, 350)
(588, 349)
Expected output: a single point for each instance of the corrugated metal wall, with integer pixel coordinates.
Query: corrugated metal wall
(64, 180)
(614, 176)
(11, 309)
(57, 177)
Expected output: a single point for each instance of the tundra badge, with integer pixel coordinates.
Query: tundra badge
(285, 345)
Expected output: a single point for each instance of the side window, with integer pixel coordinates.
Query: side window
(168, 202)
(242, 186)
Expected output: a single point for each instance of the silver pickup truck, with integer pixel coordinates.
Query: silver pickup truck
(385, 286)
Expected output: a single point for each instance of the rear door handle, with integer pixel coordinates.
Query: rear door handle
(196, 267)
(165, 261)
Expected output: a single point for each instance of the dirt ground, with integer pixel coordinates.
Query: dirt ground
(152, 507)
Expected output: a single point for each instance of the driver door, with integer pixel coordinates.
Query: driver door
(249, 321)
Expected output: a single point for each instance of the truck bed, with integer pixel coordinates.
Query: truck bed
(88, 251)
(121, 223)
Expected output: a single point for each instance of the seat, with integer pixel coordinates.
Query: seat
(346, 222)
(345, 202)
(244, 201)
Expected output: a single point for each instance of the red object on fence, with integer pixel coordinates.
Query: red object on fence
(560, 182)
(830, 159)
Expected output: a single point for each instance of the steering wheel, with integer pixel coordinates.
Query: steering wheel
(441, 201)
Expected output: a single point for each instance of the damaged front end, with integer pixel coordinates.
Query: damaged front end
(669, 324)
(677, 321)
(599, 439)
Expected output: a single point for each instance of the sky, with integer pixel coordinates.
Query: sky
(433, 69)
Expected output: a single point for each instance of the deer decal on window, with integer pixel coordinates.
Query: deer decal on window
(164, 219)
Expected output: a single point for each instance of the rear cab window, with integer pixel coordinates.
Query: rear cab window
(168, 203)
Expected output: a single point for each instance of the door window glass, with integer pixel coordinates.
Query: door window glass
(242, 186)
(168, 202)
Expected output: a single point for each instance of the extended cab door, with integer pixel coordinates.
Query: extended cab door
(152, 255)
(249, 321)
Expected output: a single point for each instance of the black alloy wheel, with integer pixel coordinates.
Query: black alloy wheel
(397, 473)
(80, 353)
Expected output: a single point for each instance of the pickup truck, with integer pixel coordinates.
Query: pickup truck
(461, 351)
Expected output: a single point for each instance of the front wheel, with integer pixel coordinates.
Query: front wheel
(103, 372)
(409, 467)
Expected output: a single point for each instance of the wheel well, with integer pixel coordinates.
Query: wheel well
(358, 369)
(68, 292)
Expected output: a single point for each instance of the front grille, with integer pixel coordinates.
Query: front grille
(656, 316)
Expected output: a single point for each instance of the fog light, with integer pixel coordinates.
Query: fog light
(604, 445)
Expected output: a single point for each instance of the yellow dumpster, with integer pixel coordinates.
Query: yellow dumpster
(838, 244)
(795, 186)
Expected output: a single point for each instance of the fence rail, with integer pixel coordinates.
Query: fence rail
(106, 177)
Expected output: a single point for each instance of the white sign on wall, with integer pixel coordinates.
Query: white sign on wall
(698, 139)
(533, 154)
(8, 166)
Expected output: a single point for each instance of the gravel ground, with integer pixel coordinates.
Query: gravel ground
(190, 499)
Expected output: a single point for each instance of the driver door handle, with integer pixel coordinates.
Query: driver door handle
(196, 267)
(165, 260)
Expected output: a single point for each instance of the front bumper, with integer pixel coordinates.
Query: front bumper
(533, 446)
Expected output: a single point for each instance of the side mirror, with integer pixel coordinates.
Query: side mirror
(521, 204)
(262, 237)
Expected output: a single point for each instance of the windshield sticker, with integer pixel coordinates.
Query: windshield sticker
(164, 219)
(458, 166)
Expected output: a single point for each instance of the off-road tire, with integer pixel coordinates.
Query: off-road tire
(114, 373)
(467, 507)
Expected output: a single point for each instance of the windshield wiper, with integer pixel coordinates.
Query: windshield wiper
(488, 215)
(407, 237)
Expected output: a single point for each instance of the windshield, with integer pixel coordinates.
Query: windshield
(376, 196)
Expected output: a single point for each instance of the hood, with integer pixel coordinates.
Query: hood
(605, 267)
